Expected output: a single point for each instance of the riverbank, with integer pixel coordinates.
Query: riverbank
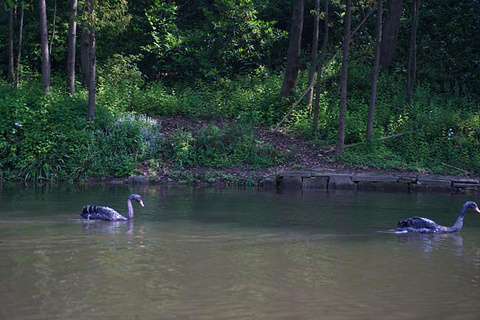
(283, 159)
(221, 133)
(322, 179)
(307, 168)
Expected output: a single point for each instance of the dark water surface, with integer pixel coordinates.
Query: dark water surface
(196, 253)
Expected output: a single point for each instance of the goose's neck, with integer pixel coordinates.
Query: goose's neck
(459, 223)
(129, 209)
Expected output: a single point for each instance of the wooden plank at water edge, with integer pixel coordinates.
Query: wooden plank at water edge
(425, 184)
(434, 182)
(469, 186)
(465, 180)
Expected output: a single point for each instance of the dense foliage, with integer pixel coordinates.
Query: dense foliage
(223, 60)
(50, 138)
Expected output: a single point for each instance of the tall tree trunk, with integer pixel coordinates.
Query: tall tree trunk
(293, 55)
(390, 32)
(91, 61)
(84, 43)
(44, 47)
(313, 57)
(72, 40)
(376, 64)
(84, 51)
(11, 73)
(20, 40)
(53, 30)
(343, 81)
(320, 68)
(412, 56)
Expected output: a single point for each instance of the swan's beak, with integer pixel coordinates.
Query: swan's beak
(141, 203)
(478, 210)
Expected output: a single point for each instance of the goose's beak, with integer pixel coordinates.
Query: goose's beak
(141, 203)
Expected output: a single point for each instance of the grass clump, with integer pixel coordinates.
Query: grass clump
(118, 148)
(215, 147)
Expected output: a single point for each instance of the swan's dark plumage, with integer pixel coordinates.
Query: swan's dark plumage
(108, 214)
(424, 225)
(417, 224)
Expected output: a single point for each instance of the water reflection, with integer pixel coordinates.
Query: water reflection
(232, 254)
(107, 227)
(103, 230)
(429, 243)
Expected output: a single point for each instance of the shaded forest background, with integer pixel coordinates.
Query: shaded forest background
(242, 62)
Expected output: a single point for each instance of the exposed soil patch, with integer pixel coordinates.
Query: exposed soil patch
(303, 156)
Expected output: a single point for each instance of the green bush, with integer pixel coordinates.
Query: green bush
(214, 147)
(50, 138)
(119, 148)
(119, 83)
(248, 100)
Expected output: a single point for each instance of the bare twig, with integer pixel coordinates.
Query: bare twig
(293, 107)
(456, 168)
(379, 139)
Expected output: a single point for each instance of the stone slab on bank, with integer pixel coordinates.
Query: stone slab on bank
(324, 179)
(367, 177)
(315, 182)
(341, 182)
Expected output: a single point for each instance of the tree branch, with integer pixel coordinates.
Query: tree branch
(380, 139)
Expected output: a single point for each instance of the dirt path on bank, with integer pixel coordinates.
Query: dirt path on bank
(303, 156)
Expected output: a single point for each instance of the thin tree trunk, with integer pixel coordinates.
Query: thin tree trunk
(20, 39)
(84, 51)
(412, 57)
(320, 69)
(326, 67)
(390, 32)
(11, 74)
(72, 40)
(44, 48)
(293, 55)
(84, 40)
(91, 62)
(91, 75)
(376, 64)
(355, 35)
(313, 57)
(334, 100)
(53, 30)
(343, 81)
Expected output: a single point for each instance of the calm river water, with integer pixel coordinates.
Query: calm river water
(196, 253)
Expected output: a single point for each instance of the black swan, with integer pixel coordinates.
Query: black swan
(424, 225)
(108, 214)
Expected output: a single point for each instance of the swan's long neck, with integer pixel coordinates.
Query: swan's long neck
(459, 223)
(129, 209)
